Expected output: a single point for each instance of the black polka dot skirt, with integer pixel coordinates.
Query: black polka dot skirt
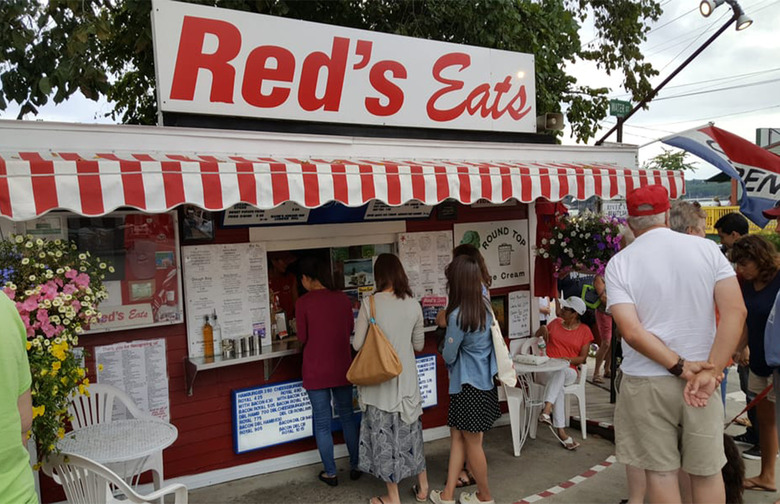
(473, 410)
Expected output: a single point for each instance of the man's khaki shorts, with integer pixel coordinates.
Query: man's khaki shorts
(655, 430)
(757, 384)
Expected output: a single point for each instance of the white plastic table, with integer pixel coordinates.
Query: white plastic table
(129, 442)
(533, 393)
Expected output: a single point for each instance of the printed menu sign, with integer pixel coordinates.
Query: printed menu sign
(424, 256)
(140, 369)
(426, 375)
(232, 280)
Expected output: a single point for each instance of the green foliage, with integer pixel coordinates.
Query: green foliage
(670, 160)
(50, 50)
(772, 237)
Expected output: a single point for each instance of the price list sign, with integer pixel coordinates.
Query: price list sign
(269, 415)
(426, 376)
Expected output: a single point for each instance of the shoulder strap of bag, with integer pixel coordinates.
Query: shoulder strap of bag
(372, 320)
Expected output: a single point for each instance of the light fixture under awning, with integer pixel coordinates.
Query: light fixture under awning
(94, 184)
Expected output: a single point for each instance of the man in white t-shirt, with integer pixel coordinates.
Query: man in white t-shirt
(663, 291)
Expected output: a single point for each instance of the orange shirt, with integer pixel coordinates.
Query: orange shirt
(565, 343)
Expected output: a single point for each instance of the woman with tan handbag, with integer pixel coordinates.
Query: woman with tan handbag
(468, 352)
(391, 440)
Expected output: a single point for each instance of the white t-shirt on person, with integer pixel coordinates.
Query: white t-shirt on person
(670, 277)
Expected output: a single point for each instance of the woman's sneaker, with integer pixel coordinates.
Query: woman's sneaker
(752, 453)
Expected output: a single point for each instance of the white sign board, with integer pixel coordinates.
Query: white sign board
(140, 369)
(278, 413)
(231, 279)
(226, 62)
(377, 210)
(424, 257)
(519, 314)
(503, 244)
(243, 214)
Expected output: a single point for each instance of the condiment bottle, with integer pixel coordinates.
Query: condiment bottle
(217, 332)
(208, 338)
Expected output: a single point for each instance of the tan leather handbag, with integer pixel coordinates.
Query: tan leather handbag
(377, 361)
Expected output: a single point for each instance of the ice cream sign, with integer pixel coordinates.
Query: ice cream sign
(504, 246)
(224, 62)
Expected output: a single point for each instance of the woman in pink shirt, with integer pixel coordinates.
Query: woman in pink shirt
(324, 321)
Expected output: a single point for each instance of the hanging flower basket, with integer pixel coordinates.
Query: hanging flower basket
(583, 243)
(57, 290)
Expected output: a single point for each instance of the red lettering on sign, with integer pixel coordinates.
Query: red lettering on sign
(138, 314)
(478, 100)
(257, 71)
(336, 65)
(460, 59)
(191, 58)
(381, 83)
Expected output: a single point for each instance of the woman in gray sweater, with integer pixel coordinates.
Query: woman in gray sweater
(391, 440)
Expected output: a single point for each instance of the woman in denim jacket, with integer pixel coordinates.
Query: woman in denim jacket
(468, 352)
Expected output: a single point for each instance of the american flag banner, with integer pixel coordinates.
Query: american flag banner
(756, 169)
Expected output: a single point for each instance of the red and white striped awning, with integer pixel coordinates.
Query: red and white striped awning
(93, 184)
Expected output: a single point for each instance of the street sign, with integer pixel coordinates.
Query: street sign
(619, 108)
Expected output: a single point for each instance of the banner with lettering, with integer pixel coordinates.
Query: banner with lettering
(756, 169)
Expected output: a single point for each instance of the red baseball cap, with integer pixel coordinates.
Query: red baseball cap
(647, 200)
(772, 213)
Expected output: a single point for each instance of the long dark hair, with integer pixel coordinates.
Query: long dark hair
(314, 268)
(388, 272)
(733, 472)
(470, 250)
(759, 250)
(464, 284)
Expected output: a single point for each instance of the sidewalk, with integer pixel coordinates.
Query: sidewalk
(544, 473)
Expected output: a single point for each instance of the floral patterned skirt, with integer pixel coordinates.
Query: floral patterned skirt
(390, 449)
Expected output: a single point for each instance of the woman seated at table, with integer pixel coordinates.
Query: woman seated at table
(567, 338)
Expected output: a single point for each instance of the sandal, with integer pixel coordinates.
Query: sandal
(465, 480)
(607, 374)
(371, 500)
(416, 490)
(545, 419)
(597, 379)
(569, 443)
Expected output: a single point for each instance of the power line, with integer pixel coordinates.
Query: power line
(695, 93)
(709, 81)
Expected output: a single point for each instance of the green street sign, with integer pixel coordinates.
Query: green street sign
(619, 108)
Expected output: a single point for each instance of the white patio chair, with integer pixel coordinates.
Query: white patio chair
(514, 401)
(98, 407)
(530, 346)
(87, 482)
(577, 389)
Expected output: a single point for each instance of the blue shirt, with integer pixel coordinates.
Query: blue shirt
(469, 355)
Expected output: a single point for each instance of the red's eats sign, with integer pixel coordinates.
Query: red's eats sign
(220, 66)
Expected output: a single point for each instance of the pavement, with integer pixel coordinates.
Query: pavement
(545, 472)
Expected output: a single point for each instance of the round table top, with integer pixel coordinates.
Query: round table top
(120, 440)
(548, 367)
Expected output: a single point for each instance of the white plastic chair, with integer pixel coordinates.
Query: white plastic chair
(87, 482)
(577, 389)
(514, 402)
(529, 346)
(98, 407)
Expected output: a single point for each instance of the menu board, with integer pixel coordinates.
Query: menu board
(278, 413)
(231, 280)
(519, 314)
(424, 257)
(140, 369)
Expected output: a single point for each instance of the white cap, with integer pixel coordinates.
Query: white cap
(575, 303)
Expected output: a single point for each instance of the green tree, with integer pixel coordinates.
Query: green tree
(670, 160)
(52, 49)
